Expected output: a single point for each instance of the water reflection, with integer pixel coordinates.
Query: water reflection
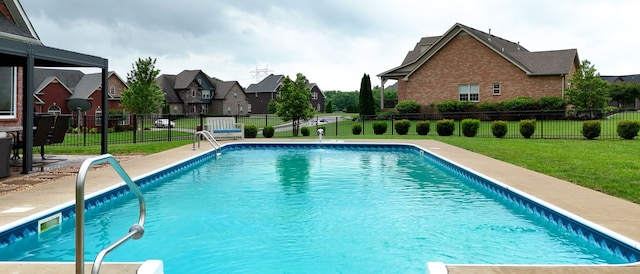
(293, 169)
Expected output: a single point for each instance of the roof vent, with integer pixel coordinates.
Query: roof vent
(489, 34)
(518, 45)
(502, 49)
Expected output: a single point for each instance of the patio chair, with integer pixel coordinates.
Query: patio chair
(58, 132)
(5, 155)
(40, 134)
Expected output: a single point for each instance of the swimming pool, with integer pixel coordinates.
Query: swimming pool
(398, 186)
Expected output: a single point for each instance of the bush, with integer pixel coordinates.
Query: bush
(387, 115)
(268, 131)
(305, 131)
(470, 127)
(445, 127)
(489, 106)
(527, 128)
(405, 107)
(93, 130)
(519, 104)
(422, 128)
(499, 128)
(551, 103)
(591, 129)
(356, 129)
(402, 126)
(119, 128)
(453, 106)
(250, 131)
(379, 127)
(628, 129)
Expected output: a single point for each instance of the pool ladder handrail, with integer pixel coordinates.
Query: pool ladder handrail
(207, 135)
(135, 231)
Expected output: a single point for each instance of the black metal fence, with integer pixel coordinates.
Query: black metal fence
(127, 129)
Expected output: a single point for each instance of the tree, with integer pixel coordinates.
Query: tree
(346, 101)
(624, 93)
(588, 91)
(272, 107)
(293, 101)
(329, 107)
(143, 96)
(367, 104)
(390, 97)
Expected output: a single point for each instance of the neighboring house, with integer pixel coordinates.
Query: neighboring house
(634, 78)
(54, 88)
(470, 65)
(260, 94)
(230, 98)
(193, 92)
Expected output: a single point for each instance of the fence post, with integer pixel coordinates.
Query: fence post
(135, 127)
(336, 125)
(362, 116)
(169, 128)
(84, 127)
(542, 124)
(459, 124)
(391, 124)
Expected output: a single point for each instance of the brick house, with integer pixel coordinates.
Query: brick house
(260, 94)
(633, 78)
(193, 92)
(470, 65)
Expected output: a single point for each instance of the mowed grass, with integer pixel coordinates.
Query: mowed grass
(610, 166)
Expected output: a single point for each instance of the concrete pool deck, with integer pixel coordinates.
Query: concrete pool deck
(615, 214)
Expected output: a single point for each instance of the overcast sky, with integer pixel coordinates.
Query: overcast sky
(332, 42)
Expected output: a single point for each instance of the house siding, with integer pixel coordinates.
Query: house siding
(54, 93)
(260, 103)
(465, 60)
(240, 100)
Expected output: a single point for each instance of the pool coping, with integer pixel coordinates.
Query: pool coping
(609, 212)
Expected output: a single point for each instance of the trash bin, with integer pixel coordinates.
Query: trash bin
(5, 156)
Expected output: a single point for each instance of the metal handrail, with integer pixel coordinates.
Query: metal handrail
(135, 231)
(207, 135)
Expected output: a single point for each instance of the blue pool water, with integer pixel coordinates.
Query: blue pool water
(318, 209)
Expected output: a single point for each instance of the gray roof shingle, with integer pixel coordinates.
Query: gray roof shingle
(269, 84)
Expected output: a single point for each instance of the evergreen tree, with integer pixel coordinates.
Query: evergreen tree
(329, 107)
(588, 91)
(367, 104)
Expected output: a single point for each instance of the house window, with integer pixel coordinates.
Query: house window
(204, 109)
(235, 94)
(318, 107)
(241, 110)
(256, 95)
(194, 109)
(193, 93)
(54, 109)
(314, 96)
(229, 110)
(112, 90)
(126, 119)
(8, 92)
(496, 89)
(469, 92)
(199, 81)
(206, 94)
(175, 109)
(98, 118)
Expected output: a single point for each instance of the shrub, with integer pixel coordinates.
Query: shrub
(93, 130)
(445, 127)
(527, 128)
(305, 131)
(356, 129)
(250, 131)
(405, 107)
(453, 106)
(591, 129)
(111, 130)
(379, 127)
(551, 103)
(499, 128)
(402, 126)
(268, 131)
(119, 128)
(422, 128)
(489, 106)
(470, 127)
(519, 104)
(628, 129)
(387, 115)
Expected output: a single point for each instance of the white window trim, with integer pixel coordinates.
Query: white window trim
(13, 111)
(498, 87)
(465, 89)
(112, 90)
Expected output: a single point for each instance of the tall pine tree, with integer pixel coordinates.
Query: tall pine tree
(367, 104)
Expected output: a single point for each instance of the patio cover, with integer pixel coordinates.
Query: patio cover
(25, 54)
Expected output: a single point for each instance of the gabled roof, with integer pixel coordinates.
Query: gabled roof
(312, 85)
(88, 85)
(46, 82)
(17, 25)
(69, 78)
(634, 78)
(186, 77)
(271, 84)
(532, 63)
(223, 88)
(166, 82)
